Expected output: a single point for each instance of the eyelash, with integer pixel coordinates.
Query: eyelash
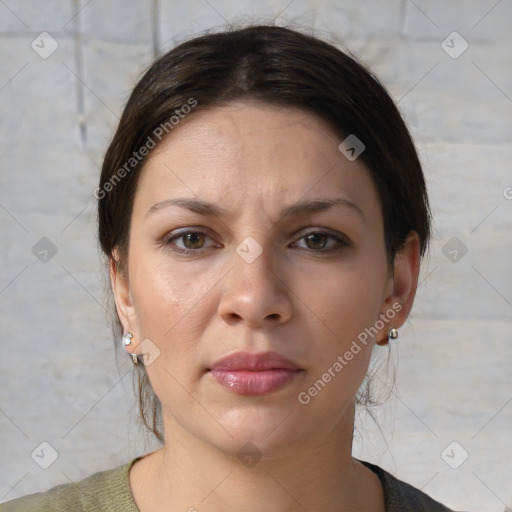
(172, 237)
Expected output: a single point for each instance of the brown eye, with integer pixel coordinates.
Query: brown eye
(189, 241)
(193, 240)
(321, 242)
(316, 241)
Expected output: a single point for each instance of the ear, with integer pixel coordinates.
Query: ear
(121, 290)
(404, 283)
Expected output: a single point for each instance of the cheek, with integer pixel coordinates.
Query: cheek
(165, 299)
(342, 308)
(346, 299)
(339, 360)
(172, 315)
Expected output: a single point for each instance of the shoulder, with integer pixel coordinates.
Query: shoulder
(106, 491)
(402, 497)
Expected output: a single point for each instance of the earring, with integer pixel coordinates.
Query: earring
(393, 334)
(127, 340)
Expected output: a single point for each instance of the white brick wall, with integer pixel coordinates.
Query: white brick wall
(58, 377)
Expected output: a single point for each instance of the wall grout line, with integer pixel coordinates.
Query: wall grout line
(79, 63)
(155, 32)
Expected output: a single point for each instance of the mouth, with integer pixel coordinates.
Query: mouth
(251, 374)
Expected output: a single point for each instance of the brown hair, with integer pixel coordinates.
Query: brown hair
(278, 66)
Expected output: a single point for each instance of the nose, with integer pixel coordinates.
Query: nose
(254, 292)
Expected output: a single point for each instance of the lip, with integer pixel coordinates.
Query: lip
(250, 374)
(254, 362)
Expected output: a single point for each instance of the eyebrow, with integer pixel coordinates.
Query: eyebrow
(299, 208)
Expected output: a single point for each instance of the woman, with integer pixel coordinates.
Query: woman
(264, 212)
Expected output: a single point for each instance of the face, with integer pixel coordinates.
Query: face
(251, 232)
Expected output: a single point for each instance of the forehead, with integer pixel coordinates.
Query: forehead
(248, 153)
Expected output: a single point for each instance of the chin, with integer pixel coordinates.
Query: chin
(266, 432)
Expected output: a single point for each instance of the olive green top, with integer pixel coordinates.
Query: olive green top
(109, 491)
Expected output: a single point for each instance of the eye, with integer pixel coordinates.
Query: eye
(189, 241)
(319, 241)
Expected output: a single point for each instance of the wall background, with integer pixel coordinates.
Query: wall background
(59, 380)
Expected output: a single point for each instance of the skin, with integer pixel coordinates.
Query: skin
(253, 160)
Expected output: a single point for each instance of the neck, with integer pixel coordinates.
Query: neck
(192, 475)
